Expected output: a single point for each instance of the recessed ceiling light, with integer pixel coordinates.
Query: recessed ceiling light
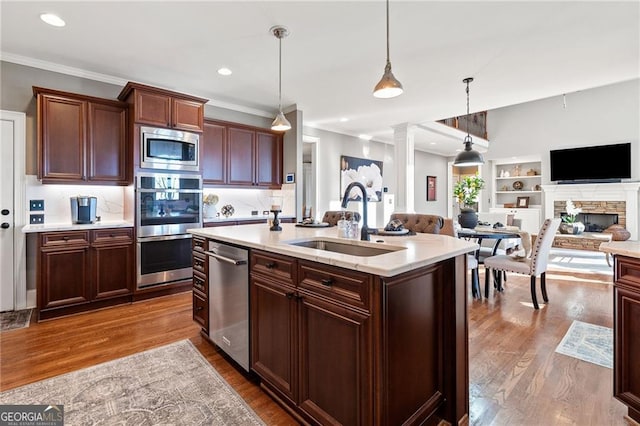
(458, 150)
(344, 119)
(225, 71)
(432, 143)
(52, 19)
(365, 137)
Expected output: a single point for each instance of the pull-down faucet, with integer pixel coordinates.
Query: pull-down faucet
(364, 233)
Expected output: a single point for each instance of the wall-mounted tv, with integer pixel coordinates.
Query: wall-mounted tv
(601, 163)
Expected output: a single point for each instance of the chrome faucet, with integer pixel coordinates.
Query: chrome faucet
(364, 233)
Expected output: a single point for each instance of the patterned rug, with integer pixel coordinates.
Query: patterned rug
(588, 342)
(12, 320)
(170, 385)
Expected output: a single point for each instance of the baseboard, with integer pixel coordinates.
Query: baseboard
(32, 300)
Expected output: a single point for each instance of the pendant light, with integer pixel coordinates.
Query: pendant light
(389, 86)
(280, 123)
(468, 157)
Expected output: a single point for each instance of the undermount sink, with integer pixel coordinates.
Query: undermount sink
(345, 248)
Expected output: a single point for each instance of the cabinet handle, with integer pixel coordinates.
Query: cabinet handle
(290, 295)
(327, 281)
(199, 308)
(298, 297)
(270, 265)
(112, 235)
(66, 238)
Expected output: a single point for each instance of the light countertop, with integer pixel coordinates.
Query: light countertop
(68, 226)
(243, 218)
(623, 248)
(414, 251)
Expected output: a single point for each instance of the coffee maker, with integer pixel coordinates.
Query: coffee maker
(83, 209)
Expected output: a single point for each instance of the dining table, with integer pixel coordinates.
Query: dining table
(480, 233)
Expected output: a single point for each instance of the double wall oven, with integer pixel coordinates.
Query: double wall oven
(166, 206)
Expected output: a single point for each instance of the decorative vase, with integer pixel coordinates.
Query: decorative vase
(208, 211)
(468, 218)
(574, 228)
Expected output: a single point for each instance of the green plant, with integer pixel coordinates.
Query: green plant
(467, 189)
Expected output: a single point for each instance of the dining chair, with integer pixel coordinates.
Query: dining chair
(422, 223)
(448, 228)
(333, 216)
(534, 265)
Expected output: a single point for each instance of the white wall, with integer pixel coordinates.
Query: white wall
(600, 116)
(430, 165)
(330, 147)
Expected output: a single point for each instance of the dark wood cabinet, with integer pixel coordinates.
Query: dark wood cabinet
(81, 139)
(240, 156)
(338, 346)
(84, 270)
(164, 108)
(626, 368)
(200, 283)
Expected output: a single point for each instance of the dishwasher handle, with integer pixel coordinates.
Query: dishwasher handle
(226, 259)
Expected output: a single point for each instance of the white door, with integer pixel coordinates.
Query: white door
(7, 287)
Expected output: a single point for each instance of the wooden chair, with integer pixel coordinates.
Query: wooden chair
(333, 216)
(533, 266)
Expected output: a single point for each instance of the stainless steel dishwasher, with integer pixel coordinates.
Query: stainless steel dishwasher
(229, 300)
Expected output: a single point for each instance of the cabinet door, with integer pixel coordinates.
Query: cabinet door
(153, 108)
(107, 144)
(112, 271)
(241, 156)
(213, 153)
(63, 277)
(273, 335)
(335, 363)
(61, 138)
(187, 115)
(268, 159)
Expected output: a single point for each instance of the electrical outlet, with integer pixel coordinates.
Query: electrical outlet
(36, 218)
(254, 212)
(265, 212)
(36, 205)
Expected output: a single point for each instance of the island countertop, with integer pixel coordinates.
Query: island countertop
(412, 252)
(623, 248)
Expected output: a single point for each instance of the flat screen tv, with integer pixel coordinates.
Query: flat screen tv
(602, 163)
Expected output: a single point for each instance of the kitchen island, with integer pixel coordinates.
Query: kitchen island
(626, 323)
(344, 331)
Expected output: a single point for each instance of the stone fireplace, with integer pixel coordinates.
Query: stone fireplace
(619, 199)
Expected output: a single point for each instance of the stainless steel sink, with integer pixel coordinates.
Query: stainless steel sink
(345, 248)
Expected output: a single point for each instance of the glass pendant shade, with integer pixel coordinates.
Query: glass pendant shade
(389, 86)
(280, 123)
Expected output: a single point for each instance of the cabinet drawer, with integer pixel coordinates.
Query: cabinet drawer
(199, 243)
(200, 263)
(627, 271)
(274, 266)
(64, 239)
(200, 283)
(201, 311)
(352, 288)
(112, 236)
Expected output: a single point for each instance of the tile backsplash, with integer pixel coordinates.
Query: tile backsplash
(244, 201)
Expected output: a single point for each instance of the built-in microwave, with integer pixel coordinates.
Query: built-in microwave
(168, 149)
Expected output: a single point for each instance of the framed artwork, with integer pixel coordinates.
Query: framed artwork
(367, 172)
(431, 188)
(522, 202)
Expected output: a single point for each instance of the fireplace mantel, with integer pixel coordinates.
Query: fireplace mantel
(626, 191)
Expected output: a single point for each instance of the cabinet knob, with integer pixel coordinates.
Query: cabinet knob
(290, 295)
(112, 235)
(327, 281)
(66, 238)
(199, 308)
(270, 265)
(5, 212)
(5, 225)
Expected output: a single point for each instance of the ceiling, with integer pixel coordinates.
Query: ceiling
(517, 51)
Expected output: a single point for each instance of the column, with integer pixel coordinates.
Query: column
(404, 149)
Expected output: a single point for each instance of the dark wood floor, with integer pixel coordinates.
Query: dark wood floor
(516, 377)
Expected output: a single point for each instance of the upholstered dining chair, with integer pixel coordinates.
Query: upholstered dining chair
(449, 228)
(333, 216)
(534, 265)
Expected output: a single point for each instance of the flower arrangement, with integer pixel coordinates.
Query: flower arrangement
(210, 199)
(572, 212)
(467, 189)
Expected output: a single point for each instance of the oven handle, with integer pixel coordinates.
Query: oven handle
(182, 191)
(226, 259)
(163, 238)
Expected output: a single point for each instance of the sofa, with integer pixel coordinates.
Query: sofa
(423, 223)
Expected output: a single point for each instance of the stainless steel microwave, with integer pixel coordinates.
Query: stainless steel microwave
(168, 149)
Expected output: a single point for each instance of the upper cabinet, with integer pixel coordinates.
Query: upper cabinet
(81, 139)
(236, 155)
(163, 108)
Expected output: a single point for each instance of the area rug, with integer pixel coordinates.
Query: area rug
(579, 260)
(13, 320)
(170, 385)
(588, 342)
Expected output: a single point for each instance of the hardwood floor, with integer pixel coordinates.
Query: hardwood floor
(516, 378)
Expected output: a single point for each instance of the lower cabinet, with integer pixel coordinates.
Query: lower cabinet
(84, 270)
(339, 346)
(626, 368)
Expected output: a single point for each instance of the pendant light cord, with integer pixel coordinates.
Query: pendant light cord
(280, 74)
(467, 117)
(388, 61)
